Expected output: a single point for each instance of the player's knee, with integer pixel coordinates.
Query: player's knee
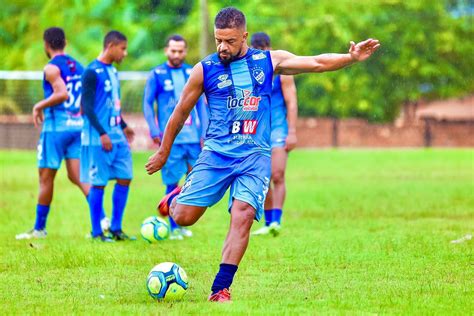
(243, 213)
(278, 176)
(73, 178)
(180, 217)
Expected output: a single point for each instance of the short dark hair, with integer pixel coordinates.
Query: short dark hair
(260, 40)
(55, 38)
(229, 18)
(176, 38)
(114, 37)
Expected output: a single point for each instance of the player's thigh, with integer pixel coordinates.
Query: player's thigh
(121, 163)
(279, 159)
(186, 215)
(207, 183)
(251, 185)
(49, 150)
(175, 167)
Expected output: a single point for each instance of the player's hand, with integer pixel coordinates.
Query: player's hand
(37, 115)
(156, 162)
(129, 134)
(157, 141)
(106, 142)
(363, 50)
(291, 141)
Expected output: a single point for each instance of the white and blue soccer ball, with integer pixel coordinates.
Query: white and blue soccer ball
(167, 282)
(154, 229)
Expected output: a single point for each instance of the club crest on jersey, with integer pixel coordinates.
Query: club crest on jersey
(259, 75)
(225, 81)
(248, 102)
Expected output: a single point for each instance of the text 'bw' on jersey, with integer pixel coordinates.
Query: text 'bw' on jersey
(66, 116)
(239, 100)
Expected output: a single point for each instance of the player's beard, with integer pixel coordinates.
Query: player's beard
(230, 59)
(176, 62)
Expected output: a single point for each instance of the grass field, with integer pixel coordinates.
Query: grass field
(364, 232)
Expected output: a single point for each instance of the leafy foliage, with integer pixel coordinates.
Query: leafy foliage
(426, 45)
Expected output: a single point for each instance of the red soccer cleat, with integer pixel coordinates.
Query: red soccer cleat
(223, 296)
(163, 207)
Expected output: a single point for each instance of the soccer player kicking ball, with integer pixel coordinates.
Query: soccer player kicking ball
(105, 153)
(165, 85)
(283, 140)
(237, 81)
(62, 123)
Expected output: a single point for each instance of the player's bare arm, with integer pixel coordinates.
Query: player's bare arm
(190, 96)
(53, 76)
(286, 63)
(288, 89)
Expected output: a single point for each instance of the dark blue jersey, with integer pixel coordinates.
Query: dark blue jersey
(65, 116)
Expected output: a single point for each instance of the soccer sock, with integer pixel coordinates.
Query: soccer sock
(170, 187)
(268, 217)
(276, 217)
(173, 224)
(119, 200)
(96, 199)
(224, 277)
(41, 216)
(102, 211)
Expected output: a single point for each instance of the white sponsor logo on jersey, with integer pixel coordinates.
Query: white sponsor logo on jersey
(259, 56)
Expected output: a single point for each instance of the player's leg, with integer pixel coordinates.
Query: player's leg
(120, 169)
(247, 194)
(279, 159)
(95, 171)
(171, 173)
(73, 153)
(236, 242)
(49, 160)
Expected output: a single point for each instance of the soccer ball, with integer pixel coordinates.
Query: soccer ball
(154, 229)
(167, 282)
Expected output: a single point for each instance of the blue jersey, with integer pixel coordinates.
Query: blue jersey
(165, 85)
(107, 105)
(279, 121)
(239, 96)
(65, 116)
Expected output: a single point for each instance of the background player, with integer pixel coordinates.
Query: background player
(236, 154)
(62, 123)
(283, 139)
(164, 85)
(105, 152)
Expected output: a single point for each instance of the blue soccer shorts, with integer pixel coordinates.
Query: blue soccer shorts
(213, 173)
(53, 147)
(99, 166)
(180, 157)
(278, 137)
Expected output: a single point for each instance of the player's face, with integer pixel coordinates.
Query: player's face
(176, 52)
(118, 51)
(229, 43)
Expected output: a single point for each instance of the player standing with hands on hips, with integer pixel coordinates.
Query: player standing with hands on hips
(237, 81)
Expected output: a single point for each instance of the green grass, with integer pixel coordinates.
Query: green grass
(364, 232)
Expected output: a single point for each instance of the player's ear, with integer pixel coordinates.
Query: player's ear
(246, 35)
